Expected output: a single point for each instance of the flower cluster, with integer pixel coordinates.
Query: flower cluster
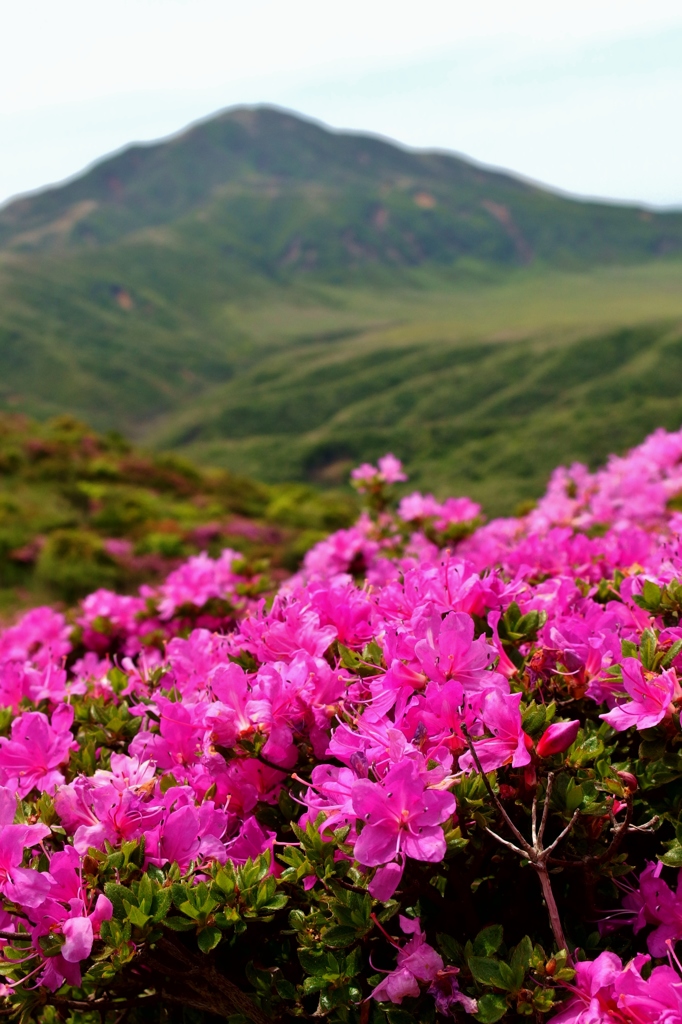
(425, 699)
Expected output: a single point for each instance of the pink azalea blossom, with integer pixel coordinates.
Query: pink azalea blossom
(37, 749)
(651, 696)
(416, 961)
(508, 743)
(400, 814)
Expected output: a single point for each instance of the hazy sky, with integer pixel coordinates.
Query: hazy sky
(584, 95)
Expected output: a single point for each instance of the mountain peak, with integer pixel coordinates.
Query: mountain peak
(310, 199)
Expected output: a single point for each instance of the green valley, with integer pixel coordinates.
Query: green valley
(267, 296)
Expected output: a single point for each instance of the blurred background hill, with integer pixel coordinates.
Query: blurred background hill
(265, 295)
(81, 510)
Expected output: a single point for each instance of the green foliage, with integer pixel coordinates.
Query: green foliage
(66, 493)
(301, 305)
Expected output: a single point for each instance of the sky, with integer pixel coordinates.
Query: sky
(584, 96)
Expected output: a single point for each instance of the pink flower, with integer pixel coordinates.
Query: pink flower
(187, 833)
(446, 993)
(655, 1000)
(364, 472)
(251, 842)
(508, 744)
(651, 696)
(386, 880)
(24, 886)
(654, 903)
(400, 814)
(416, 961)
(31, 758)
(391, 469)
(447, 650)
(557, 738)
(594, 999)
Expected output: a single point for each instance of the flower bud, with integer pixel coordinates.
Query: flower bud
(629, 781)
(557, 738)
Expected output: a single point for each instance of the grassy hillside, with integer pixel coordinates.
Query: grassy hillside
(468, 404)
(79, 510)
(281, 300)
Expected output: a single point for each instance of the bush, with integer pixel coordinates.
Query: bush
(73, 562)
(438, 774)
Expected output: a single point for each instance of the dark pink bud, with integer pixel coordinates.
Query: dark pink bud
(629, 781)
(557, 738)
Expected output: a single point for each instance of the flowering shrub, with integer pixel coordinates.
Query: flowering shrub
(437, 773)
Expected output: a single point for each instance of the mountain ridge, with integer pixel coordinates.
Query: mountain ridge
(283, 300)
(392, 194)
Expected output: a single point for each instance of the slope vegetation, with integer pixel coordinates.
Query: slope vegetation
(282, 299)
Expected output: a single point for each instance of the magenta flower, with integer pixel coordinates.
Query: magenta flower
(80, 930)
(416, 961)
(509, 743)
(651, 696)
(391, 469)
(654, 1000)
(187, 833)
(557, 738)
(96, 811)
(448, 650)
(250, 843)
(386, 880)
(446, 993)
(653, 903)
(365, 472)
(32, 757)
(400, 815)
(24, 886)
(594, 1000)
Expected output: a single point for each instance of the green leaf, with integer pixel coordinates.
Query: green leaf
(647, 648)
(510, 978)
(488, 941)
(672, 858)
(136, 916)
(313, 961)
(397, 1016)
(160, 905)
(189, 911)
(118, 894)
(277, 902)
(671, 654)
(339, 935)
(534, 718)
(628, 649)
(574, 796)
(491, 1008)
(489, 972)
(450, 948)
(179, 924)
(651, 749)
(652, 594)
(208, 938)
(522, 955)
(285, 989)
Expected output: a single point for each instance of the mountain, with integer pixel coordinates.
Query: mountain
(271, 296)
(282, 194)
